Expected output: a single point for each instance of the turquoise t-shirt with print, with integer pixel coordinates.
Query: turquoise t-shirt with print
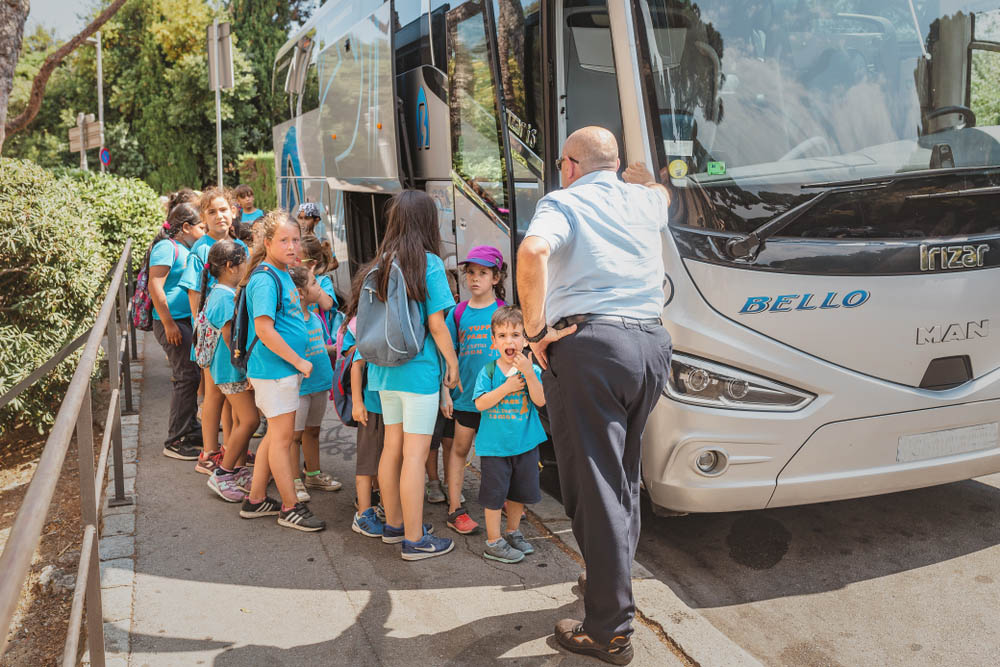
(250, 218)
(289, 322)
(219, 309)
(174, 254)
(371, 399)
(191, 280)
(474, 342)
(512, 426)
(321, 377)
(423, 373)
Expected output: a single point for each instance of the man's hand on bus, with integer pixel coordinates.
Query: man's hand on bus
(638, 174)
(540, 349)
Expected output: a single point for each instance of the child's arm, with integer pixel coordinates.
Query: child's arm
(491, 398)
(535, 390)
(264, 326)
(158, 295)
(358, 409)
(442, 338)
(325, 301)
(447, 405)
(194, 296)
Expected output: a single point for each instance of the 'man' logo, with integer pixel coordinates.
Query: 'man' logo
(423, 121)
(947, 333)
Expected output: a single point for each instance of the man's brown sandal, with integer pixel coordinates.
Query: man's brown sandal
(572, 637)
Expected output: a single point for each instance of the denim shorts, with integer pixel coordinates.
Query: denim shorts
(417, 412)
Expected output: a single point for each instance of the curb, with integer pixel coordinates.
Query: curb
(117, 543)
(684, 629)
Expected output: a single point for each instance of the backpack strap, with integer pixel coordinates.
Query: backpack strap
(264, 268)
(491, 369)
(340, 343)
(457, 313)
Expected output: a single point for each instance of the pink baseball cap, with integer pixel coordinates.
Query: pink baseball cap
(485, 255)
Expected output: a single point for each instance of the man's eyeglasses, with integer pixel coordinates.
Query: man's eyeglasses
(560, 161)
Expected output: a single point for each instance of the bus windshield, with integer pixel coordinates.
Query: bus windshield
(762, 94)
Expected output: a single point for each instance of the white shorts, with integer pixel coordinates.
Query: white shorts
(311, 409)
(417, 412)
(277, 397)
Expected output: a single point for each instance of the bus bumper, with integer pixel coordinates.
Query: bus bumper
(790, 461)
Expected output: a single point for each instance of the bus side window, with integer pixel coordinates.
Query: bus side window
(475, 130)
(519, 46)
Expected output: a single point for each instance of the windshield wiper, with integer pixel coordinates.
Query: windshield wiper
(951, 194)
(748, 247)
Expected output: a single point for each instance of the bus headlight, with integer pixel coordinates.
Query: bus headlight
(700, 382)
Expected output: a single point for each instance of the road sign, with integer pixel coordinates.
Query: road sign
(224, 54)
(94, 133)
(105, 156)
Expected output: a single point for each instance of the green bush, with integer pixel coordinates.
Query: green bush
(120, 208)
(257, 171)
(52, 275)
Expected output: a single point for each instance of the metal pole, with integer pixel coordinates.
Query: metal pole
(131, 291)
(100, 94)
(114, 342)
(89, 497)
(82, 126)
(218, 97)
(127, 360)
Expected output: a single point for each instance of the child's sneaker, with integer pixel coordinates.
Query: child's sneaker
(208, 462)
(261, 428)
(427, 547)
(251, 459)
(300, 491)
(435, 491)
(300, 518)
(394, 535)
(244, 477)
(503, 552)
(322, 481)
(461, 522)
(225, 485)
(183, 449)
(367, 523)
(516, 540)
(266, 507)
(380, 512)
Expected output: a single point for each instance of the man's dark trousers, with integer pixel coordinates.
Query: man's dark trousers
(186, 376)
(601, 385)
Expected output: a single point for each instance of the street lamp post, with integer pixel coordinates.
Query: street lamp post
(100, 87)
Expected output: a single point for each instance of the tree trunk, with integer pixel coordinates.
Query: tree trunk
(49, 66)
(13, 14)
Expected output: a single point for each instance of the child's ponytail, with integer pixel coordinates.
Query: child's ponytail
(204, 286)
(500, 290)
(180, 215)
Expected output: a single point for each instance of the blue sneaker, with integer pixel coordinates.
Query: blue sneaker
(394, 535)
(428, 547)
(367, 523)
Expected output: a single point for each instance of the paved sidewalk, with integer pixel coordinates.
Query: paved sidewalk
(211, 588)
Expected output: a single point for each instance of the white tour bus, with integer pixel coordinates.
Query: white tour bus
(834, 240)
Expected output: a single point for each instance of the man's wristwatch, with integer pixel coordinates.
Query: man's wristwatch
(538, 336)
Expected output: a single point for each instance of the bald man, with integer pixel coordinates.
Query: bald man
(590, 280)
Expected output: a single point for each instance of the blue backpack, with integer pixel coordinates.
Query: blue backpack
(239, 352)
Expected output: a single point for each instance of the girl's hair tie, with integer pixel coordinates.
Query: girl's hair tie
(166, 224)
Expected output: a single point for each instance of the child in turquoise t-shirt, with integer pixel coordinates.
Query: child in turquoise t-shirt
(507, 393)
(314, 392)
(469, 326)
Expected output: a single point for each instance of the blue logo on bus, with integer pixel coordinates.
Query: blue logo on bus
(423, 121)
(786, 303)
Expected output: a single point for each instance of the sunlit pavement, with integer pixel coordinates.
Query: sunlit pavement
(211, 588)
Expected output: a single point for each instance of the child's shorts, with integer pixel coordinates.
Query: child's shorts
(371, 438)
(443, 428)
(417, 412)
(277, 397)
(311, 409)
(509, 478)
(469, 419)
(230, 388)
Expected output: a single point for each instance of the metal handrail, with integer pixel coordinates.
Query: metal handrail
(76, 413)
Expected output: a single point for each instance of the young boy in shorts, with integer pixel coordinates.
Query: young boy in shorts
(507, 393)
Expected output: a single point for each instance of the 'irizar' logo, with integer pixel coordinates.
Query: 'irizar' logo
(787, 303)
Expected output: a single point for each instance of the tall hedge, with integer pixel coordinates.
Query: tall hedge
(59, 234)
(257, 171)
(121, 208)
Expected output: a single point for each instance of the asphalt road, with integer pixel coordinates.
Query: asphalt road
(910, 578)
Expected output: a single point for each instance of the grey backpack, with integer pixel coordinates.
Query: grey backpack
(390, 332)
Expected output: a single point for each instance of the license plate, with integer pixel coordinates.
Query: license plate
(947, 443)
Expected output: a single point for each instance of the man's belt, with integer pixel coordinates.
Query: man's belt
(570, 320)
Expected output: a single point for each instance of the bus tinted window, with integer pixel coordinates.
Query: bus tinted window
(281, 105)
(475, 132)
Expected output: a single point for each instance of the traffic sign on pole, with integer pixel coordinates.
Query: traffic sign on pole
(105, 155)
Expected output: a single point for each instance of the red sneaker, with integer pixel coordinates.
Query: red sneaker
(207, 463)
(461, 522)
